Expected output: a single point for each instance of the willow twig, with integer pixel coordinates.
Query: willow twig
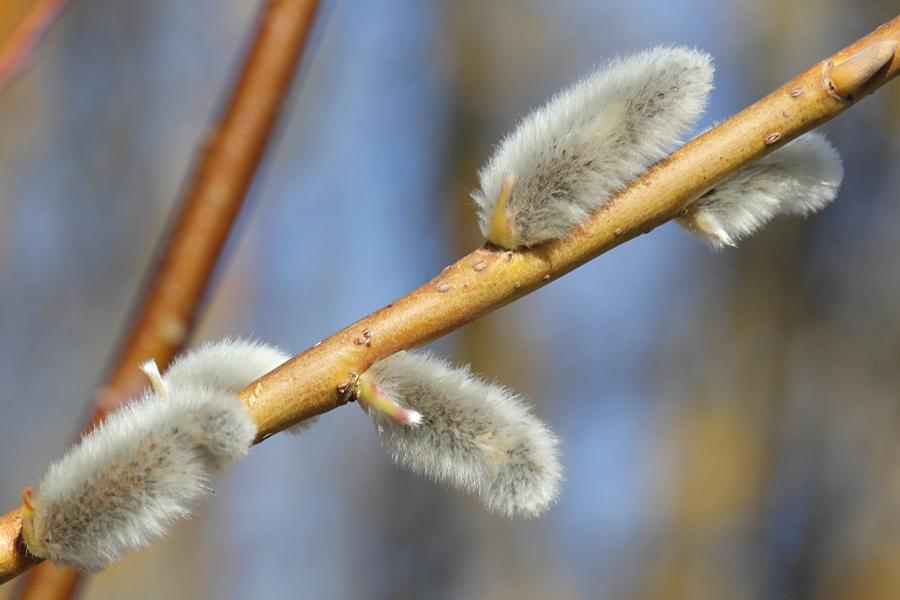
(488, 278)
(172, 298)
(16, 51)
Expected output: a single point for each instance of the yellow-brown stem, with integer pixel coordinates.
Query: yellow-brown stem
(370, 394)
(27, 514)
(14, 556)
(501, 229)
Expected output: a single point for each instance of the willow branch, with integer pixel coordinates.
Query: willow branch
(21, 43)
(488, 278)
(181, 277)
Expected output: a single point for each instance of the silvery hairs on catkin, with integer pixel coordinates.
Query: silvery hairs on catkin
(568, 157)
(230, 364)
(150, 462)
(473, 436)
(800, 178)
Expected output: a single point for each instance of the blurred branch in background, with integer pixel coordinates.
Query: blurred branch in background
(169, 304)
(725, 434)
(17, 48)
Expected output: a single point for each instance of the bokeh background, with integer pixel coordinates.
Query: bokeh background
(730, 421)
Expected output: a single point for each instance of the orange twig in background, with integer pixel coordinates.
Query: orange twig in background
(23, 40)
(169, 305)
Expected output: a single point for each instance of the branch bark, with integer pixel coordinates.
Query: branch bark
(175, 289)
(489, 278)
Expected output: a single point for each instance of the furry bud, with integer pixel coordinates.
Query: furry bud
(372, 397)
(565, 159)
(800, 178)
(228, 364)
(150, 462)
(129, 480)
(473, 435)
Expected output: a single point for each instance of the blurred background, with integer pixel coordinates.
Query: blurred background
(730, 421)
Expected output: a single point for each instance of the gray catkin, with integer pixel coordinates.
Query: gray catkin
(473, 436)
(150, 462)
(570, 155)
(800, 178)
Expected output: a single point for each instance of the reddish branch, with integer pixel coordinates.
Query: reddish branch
(16, 51)
(168, 308)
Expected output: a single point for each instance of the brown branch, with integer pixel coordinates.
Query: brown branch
(16, 51)
(489, 278)
(211, 204)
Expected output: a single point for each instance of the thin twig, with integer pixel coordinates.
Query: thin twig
(17, 50)
(309, 384)
(211, 204)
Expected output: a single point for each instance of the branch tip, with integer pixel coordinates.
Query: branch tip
(846, 78)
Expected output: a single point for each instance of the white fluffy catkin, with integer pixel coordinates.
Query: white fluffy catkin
(565, 159)
(150, 462)
(800, 178)
(231, 364)
(473, 435)
(228, 364)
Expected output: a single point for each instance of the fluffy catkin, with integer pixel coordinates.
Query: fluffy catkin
(473, 435)
(124, 484)
(800, 178)
(150, 462)
(228, 364)
(565, 159)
